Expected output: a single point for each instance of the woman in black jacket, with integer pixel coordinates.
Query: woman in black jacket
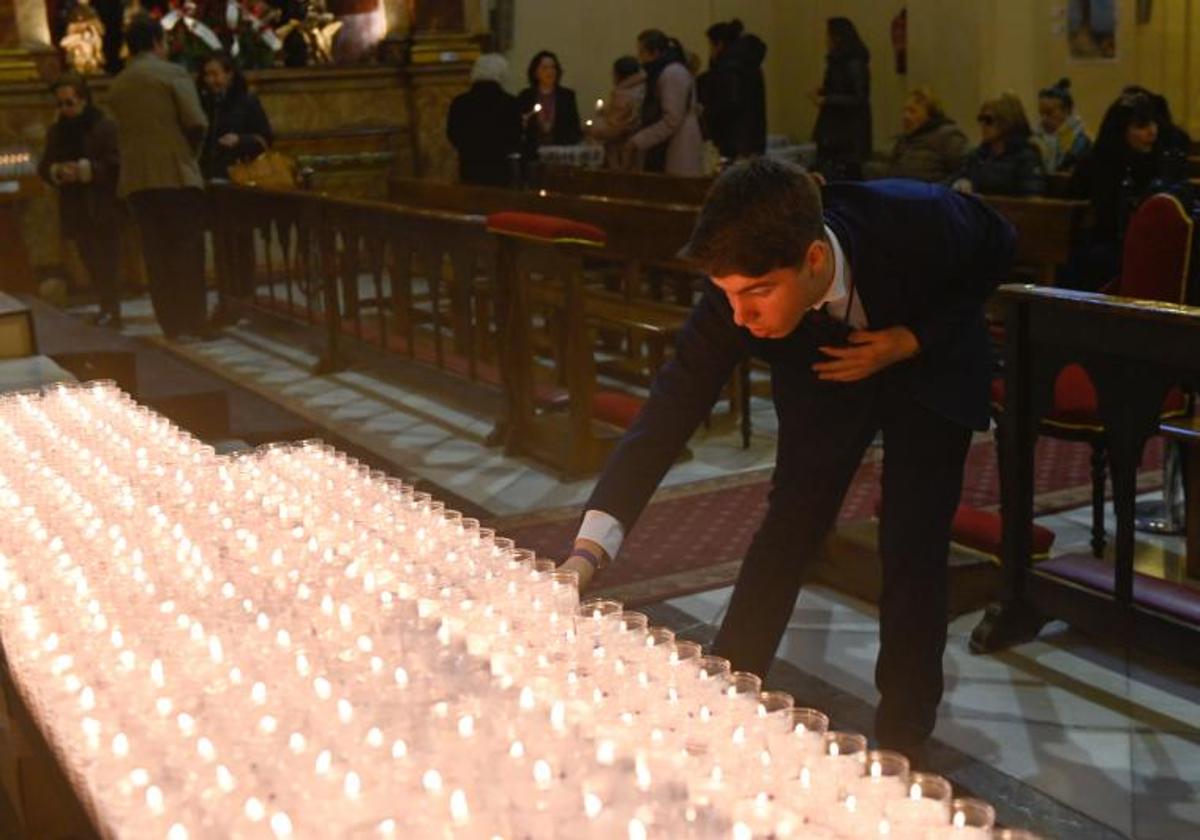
(1129, 161)
(843, 129)
(549, 110)
(238, 128)
(733, 93)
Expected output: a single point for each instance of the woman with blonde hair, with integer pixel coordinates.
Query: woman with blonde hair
(1006, 162)
(931, 146)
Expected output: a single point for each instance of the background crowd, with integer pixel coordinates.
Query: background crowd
(169, 133)
(662, 108)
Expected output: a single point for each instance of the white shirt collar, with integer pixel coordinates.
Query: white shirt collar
(837, 289)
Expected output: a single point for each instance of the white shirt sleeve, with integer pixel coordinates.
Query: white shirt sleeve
(603, 529)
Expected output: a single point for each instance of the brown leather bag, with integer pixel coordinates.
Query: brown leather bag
(272, 169)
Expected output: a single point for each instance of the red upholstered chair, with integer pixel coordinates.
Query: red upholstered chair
(1155, 264)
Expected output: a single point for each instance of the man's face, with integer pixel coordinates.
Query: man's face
(70, 103)
(771, 306)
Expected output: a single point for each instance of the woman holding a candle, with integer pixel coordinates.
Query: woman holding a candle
(549, 110)
(618, 117)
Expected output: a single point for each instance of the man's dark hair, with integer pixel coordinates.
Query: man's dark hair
(75, 82)
(725, 32)
(142, 34)
(760, 215)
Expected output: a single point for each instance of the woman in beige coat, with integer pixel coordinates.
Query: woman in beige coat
(619, 117)
(670, 139)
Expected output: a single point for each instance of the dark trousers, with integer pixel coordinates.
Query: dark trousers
(824, 430)
(100, 251)
(171, 223)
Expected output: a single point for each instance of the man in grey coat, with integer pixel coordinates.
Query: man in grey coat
(161, 127)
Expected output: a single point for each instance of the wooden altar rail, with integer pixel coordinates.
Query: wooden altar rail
(436, 287)
(1134, 351)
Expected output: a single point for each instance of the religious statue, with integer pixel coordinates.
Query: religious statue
(83, 42)
(317, 29)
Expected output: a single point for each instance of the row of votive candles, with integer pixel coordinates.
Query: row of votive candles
(288, 643)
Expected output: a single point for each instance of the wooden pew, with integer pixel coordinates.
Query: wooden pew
(353, 162)
(648, 231)
(1046, 229)
(1134, 351)
(639, 186)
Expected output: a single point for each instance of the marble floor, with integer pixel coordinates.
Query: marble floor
(411, 421)
(1112, 734)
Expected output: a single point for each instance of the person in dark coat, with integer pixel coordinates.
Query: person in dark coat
(1128, 162)
(732, 93)
(843, 129)
(1006, 161)
(867, 301)
(238, 128)
(549, 110)
(1173, 144)
(82, 161)
(484, 125)
(931, 147)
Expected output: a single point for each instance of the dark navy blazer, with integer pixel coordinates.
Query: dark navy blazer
(919, 255)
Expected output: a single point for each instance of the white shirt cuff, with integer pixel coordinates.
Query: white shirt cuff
(604, 529)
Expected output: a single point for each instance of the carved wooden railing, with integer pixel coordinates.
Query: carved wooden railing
(1134, 352)
(384, 281)
(408, 282)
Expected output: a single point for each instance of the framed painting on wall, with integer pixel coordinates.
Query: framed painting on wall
(1092, 29)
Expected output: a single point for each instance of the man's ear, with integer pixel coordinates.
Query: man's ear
(817, 255)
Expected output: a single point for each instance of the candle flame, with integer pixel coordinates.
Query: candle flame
(459, 812)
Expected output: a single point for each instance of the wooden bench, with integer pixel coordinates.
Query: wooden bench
(639, 186)
(1047, 229)
(1134, 352)
(355, 161)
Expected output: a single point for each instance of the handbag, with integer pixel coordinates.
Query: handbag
(272, 170)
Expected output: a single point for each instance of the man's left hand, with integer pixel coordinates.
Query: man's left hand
(228, 140)
(870, 351)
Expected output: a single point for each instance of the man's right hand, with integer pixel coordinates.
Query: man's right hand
(582, 567)
(579, 564)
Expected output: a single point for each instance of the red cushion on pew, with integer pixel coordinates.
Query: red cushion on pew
(616, 407)
(980, 530)
(545, 228)
(1075, 402)
(1174, 599)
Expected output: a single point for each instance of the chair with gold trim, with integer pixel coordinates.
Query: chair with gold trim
(1155, 263)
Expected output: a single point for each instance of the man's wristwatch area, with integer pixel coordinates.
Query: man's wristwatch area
(596, 561)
